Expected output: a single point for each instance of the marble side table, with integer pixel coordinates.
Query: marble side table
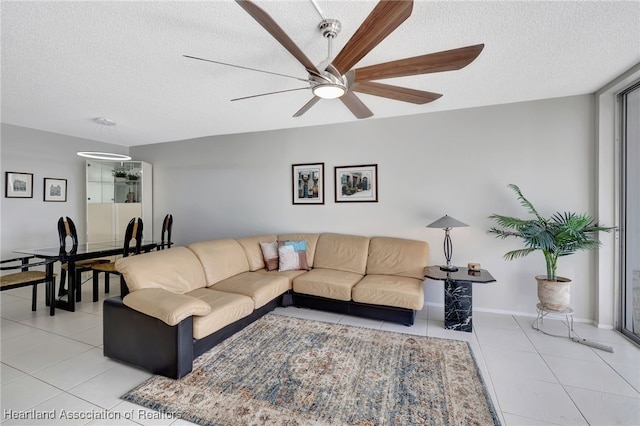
(458, 294)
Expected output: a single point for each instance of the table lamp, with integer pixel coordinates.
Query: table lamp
(446, 223)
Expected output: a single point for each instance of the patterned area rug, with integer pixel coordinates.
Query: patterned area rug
(288, 371)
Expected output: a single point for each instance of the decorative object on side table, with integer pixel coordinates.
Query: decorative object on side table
(447, 222)
(55, 189)
(458, 294)
(308, 183)
(562, 234)
(18, 185)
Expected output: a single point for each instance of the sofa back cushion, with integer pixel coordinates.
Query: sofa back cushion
(397, 256)
(177, 270)
(311, 239)
(252, 250)
(342, 252)
(221, 259)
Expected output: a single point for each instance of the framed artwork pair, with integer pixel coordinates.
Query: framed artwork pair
(351, 183)
(20, 185)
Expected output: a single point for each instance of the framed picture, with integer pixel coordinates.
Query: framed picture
(308, 183)
(55, 189)
(18, 185)
(357, 183)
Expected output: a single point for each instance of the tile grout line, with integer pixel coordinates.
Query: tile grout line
(564, 389)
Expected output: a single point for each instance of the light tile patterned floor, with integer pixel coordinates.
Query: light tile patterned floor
(56, 363)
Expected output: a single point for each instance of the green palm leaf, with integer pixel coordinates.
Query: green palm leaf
(562, 234)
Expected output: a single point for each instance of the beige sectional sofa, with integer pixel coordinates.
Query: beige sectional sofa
(179, 303)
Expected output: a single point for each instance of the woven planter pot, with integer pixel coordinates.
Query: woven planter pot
(554, 295)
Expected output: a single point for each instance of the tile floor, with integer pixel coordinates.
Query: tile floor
(56, 363)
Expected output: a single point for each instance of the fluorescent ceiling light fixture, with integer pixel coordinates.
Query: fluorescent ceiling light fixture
(104, 156)
(329, 91)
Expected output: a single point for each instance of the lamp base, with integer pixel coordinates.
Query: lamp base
(449, 268)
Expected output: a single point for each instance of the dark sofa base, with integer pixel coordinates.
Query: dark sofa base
(146, 342)
(385, 313)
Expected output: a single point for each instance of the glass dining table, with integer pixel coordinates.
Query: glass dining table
(83, 251)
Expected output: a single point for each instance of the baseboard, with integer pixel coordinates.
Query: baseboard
(424, 315)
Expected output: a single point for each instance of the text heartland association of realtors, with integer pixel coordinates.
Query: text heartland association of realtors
(140, 414)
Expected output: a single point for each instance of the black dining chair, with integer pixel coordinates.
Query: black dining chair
(167, 224)
(133, 232)
(25, 276)
(67, 231)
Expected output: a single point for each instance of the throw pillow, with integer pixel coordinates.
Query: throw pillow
(292, 255)
(270, 254)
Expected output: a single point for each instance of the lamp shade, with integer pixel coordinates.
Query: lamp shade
(446, 222)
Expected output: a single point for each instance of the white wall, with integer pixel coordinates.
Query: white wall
(456, 162)
(31, 222)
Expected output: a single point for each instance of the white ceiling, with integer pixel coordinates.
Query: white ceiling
(66, 63)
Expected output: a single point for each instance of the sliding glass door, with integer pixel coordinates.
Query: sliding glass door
(629, 101)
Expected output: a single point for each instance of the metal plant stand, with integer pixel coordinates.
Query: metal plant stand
(545, 312)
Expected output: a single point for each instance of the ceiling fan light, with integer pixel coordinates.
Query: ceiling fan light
(329, 91)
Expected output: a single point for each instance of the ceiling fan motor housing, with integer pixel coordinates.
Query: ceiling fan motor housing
(330, 28)
(330, 84)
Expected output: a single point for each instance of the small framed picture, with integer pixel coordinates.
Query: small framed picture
(308, 183)
(357, 183)
(18, 185)
(55, 189)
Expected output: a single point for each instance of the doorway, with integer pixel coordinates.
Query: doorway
(629, 101)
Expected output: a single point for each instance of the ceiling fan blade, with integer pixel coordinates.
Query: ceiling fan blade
(278, 33)
(270, 93)
(355, 105)
(307, 106)
(247, 68)
(448, 60)
(381, 22)
(395, 92)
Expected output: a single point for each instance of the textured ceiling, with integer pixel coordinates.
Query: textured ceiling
(65, 63)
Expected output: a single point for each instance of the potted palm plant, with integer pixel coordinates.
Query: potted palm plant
(562, 234)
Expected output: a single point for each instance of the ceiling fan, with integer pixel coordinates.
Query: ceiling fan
(336, 78)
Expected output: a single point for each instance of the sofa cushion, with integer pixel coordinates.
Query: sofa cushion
(397, 256)
(390, 290)
(327, 283)
(311, 239)
(292, 255)
(225, 309)
(289, 274)
(262, 288)
(177, 270)
(220, 259)
(252, 250)
(270, 255)
(342, 252)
